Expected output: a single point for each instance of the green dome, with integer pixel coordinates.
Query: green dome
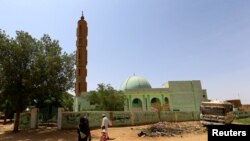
(135, 82)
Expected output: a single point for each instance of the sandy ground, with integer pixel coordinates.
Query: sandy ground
(116, 133)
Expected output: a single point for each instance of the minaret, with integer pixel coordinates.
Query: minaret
(81, 56)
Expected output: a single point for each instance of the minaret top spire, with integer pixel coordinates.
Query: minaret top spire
(82, 17)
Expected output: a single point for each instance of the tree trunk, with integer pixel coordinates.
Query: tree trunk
(16, 123)
(5, 119)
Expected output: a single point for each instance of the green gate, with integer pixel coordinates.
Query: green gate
(47, 116)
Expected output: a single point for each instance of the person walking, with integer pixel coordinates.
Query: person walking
(105, 124)
(84, 130)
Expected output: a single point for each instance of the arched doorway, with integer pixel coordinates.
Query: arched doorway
(166, 104)
(155, 100)
(137, 104)
(155, 104)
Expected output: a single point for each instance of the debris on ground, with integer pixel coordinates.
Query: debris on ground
(171, 129)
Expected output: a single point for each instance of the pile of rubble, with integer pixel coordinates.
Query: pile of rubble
(172, 129)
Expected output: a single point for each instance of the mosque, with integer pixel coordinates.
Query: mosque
(172, 96)
(140, 96)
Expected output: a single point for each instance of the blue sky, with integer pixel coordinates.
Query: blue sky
(160, 40)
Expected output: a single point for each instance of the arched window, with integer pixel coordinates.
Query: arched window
(137, 104)
(156, 104)
(166, 104)
(155, 100)
(166, 100)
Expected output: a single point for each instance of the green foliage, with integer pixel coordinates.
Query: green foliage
(34, 72)
(245, 121)
(67, 101)
(107, 98)
(15, 60)
(52, 73)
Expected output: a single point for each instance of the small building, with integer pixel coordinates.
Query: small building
(236, 103)
(173, 96)
(245, 107)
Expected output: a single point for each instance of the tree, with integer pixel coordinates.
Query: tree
(67, 101)
(33, 72)
(15, 56)
(107, 98)
(52, 73)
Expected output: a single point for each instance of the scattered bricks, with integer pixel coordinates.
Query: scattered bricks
(141, 134)
(171, 129)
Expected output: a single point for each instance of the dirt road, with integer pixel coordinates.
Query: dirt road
(117, 133)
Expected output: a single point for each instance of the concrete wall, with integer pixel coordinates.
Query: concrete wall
(180, 86)
(120, 118)
(82, 104)
(183, 102)
(68, 120)
(241, 114)
(71, 119)
(179, 116)
(144, 117)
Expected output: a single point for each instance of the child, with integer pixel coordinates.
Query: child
(103, 136)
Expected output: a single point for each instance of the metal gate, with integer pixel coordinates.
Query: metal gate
(47, 116)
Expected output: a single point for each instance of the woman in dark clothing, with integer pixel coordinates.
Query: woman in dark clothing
(84, 130)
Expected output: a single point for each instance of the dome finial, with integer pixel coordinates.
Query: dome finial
(82, 17)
